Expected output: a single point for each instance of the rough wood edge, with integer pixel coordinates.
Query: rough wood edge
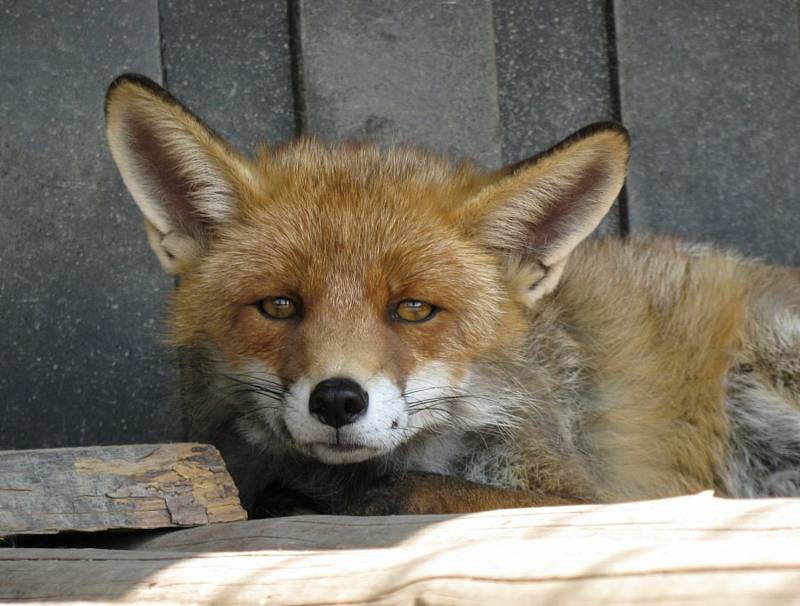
(115, 487)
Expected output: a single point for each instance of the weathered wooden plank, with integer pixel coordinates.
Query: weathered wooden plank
(417, 72)
(114, 487)
(81, 294)
(610, 554)
(680, 519)
(711, 94)
(553, 76)
(230, 62)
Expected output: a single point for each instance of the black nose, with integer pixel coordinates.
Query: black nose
(338, 401)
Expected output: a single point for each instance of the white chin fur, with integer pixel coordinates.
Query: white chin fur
(333, 456)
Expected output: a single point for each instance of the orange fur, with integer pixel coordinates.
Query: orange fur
(598, 370)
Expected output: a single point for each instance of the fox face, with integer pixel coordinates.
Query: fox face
(361, 308)
(348, 292)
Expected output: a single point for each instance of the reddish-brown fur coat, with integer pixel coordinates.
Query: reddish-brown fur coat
(597, 371)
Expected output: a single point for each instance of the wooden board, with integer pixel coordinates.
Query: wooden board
(681, 518)
(114, 487)
(697, 549)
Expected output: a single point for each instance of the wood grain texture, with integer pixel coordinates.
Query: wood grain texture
(698, 549)
(678, 519)
(114, 487)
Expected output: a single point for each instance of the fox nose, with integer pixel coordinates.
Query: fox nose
(337, 402)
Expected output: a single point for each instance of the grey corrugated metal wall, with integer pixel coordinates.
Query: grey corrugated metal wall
(708, 90)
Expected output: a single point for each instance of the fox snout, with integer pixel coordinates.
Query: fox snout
(338, 402)
(345, 417)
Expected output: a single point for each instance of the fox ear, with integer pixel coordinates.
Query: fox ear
(184, 177)
(536, 212)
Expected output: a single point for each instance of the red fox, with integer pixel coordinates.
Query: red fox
(386, 331)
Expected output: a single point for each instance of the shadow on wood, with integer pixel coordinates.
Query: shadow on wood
(698, 548)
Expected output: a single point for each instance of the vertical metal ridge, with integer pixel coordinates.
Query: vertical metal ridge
(616, 101)
(296, 57)
(162, 45)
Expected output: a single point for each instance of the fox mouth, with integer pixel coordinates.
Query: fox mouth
(331, 452)
(340, 447)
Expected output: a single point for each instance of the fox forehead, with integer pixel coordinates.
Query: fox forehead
(353, 224)
(306, 164)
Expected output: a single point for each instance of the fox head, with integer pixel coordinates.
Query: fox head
(350, 291)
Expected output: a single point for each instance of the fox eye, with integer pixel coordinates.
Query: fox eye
(277, 308)
(412, 310)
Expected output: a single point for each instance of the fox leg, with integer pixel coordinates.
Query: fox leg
(423, 493)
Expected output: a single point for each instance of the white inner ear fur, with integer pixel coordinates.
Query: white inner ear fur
(537, 215)
(531, 281)
(540, 196)
(175, 250)
(212, 195)
(182, 177)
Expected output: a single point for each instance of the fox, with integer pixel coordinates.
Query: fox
(370, 330)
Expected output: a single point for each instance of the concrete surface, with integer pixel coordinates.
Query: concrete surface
(81, 296)
(417, 71)
(712, 99)
(553, 76)
(230, 63)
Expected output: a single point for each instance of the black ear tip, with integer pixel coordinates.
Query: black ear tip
(137, 80)
(602, 127)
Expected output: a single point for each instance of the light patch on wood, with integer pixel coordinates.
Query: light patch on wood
(689, 550)
(99, 488)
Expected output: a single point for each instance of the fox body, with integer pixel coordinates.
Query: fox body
(385, 330)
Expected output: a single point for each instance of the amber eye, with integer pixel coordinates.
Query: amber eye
(277, 308)
(412, 310)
